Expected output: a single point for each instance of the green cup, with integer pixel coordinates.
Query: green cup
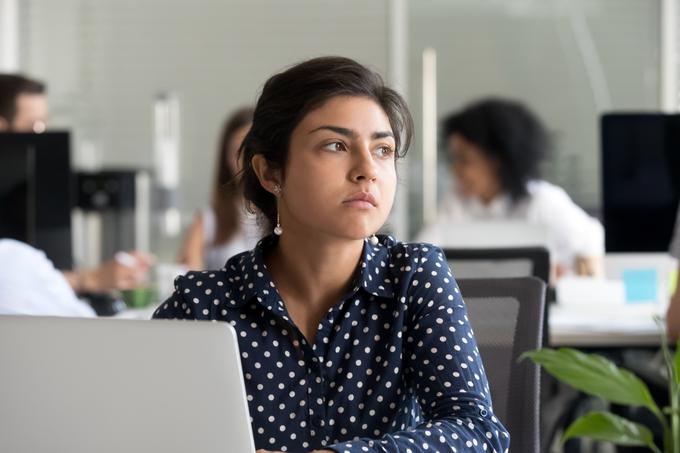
(140, 297)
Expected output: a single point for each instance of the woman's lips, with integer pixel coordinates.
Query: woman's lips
(361, 200)
(361, 204)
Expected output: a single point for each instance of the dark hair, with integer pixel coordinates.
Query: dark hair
(11, 86)
(507, 131)
(225, 193)
(290, 95)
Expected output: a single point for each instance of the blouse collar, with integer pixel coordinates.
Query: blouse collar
(375, 274)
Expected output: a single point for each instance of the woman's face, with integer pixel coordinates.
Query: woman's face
(476, 174)
(340, 178)
(235, 164)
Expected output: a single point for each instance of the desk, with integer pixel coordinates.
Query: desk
(603, 339)
(600, 313)
(626, 327)
(137, 313)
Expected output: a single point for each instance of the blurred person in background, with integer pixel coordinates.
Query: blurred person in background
(495, 148)
(224, 228)
(23, 104)
(24, 108)
(30, 284)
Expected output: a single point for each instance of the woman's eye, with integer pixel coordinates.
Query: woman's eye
(385, 151)
(334, 146)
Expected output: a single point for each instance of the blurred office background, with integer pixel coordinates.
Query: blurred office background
(108, 62)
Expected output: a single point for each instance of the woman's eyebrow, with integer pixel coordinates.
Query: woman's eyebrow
(337, 129)
(351, 133)
(382, 134)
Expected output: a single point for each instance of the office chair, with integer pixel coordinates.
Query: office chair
(500, 262)
(507, 318)
(504, 263)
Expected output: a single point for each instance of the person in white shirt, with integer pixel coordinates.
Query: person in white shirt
(495, 148)
(224, 228)
(673, 313)
(30, 285)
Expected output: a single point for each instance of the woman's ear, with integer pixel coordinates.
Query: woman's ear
(269, 177)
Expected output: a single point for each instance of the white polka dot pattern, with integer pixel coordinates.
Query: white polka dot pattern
(394, 366)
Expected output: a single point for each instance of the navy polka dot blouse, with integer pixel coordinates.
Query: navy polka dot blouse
(394, 367)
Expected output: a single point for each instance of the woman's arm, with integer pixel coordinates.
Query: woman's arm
(578, 238)
(673, 313)
(191, 253)
(445, 370)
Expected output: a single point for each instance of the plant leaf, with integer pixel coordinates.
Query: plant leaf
(608, 427)
(595, 375)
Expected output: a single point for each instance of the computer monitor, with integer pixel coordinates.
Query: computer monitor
(36, 193)
(640, 180)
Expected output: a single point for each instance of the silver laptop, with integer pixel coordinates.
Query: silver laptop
(105, 385)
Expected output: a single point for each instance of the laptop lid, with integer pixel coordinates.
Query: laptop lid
(107, 385)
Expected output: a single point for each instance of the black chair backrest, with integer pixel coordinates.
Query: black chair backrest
(505, 263)
(500, 263)
(507, 318)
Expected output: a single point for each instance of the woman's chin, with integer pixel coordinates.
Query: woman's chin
(355, 233)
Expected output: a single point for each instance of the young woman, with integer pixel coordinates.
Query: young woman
(495, 147)
(223, 229)
(349, 342)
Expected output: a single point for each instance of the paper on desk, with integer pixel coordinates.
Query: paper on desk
(590, 292)
(601, 305)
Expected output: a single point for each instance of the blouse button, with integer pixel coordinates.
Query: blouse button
(483, 412)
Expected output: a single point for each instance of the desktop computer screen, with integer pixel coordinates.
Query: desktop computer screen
(640, 180)
(36, 193)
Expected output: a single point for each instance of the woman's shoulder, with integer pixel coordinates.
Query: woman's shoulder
(406, 252)
(544, 190)
(217, 284)
(544, 195)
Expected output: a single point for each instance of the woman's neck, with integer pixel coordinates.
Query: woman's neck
(489, 195)
(314, 270)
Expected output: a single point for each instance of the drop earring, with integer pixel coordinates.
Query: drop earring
(277, 229)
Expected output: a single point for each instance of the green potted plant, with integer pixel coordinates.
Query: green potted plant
(600, 377)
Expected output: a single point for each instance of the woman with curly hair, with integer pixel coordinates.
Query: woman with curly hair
(495, 147)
